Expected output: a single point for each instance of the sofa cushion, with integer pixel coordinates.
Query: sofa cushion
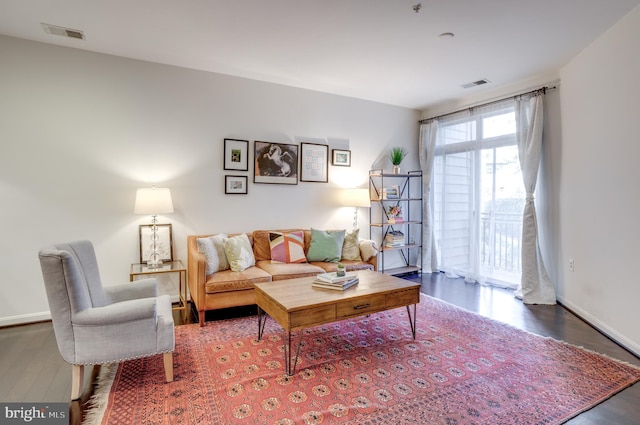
(213, 250)
(326, 245)
(287, 247)
(228, 280)
(280, 271)
(239, 252)
(351, 246)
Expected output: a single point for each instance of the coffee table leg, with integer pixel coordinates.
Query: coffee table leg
(262, 319)
(412, 321)
(289, 363)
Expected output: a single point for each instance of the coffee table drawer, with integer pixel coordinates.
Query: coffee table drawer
(312, 316)
(402, 298)
(349, 308)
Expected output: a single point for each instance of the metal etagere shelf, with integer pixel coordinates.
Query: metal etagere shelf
(400, 236)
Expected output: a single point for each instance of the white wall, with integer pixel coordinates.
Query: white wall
(80, 132)
(598, 185)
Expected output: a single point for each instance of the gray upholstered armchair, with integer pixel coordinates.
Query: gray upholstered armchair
(97, 325)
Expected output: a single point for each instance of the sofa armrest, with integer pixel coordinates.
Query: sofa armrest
(117, 313)
(196, 272)
(369, 252)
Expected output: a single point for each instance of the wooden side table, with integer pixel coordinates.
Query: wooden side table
(167, 267)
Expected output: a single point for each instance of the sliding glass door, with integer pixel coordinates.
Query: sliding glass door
(478, 195)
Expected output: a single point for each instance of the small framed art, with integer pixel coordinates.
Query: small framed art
(164, 243)
(341, 157)
(235, 185)
(236, 154)
(275, 163)
(314, 165)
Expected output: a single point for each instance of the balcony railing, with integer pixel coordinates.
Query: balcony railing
(501, 241)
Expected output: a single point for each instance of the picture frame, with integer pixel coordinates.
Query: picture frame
(236, 154)
(314, 162)
(275, 163)
(235, 185)
(341, 157)
(164, 244)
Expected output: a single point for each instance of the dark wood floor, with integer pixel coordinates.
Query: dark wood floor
(32, 370)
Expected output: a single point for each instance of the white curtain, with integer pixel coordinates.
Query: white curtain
(428, 134)
(535, 286)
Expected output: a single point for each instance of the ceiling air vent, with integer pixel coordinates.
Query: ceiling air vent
(476, 83)
(64, 32)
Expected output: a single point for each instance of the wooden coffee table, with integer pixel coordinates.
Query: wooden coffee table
(296, 305)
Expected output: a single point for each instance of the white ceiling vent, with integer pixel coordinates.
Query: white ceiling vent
(64, 32)
(476, 83)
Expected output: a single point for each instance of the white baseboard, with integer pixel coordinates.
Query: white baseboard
(602, 327)
(24, 319)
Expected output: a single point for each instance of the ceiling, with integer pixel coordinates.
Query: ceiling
(379, 50)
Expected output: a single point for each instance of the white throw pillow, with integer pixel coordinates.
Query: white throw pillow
(239, 252)
(368, 249)
(213, 250)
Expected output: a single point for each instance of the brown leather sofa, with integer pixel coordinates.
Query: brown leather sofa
(229, 288)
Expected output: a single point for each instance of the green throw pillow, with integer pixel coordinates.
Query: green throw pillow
(239, 252)
(326, 245)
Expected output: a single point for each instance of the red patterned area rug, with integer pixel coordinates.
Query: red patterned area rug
(462, 369)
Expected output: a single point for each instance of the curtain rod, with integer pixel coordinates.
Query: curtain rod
(541, 89)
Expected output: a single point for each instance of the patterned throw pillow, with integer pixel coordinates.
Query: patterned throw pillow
(351, 246)
(326, 245)
(287, 247)
(239, 252)
(213, 250)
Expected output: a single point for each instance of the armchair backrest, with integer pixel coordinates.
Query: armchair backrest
(72, 281)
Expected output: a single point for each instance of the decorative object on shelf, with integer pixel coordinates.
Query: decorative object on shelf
(152, 202)
(396, 156)
(236, 154)
(355, 198)
(341, 157)
(394, 213)
(275, 163)
(314, 162)
(235, 185)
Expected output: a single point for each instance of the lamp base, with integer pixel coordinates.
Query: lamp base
(154, 264)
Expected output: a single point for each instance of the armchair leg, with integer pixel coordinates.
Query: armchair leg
(168, 366)
(77, 380)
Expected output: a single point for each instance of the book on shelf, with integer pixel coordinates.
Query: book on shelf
(394, 238)
(338, 286)
(332, 277)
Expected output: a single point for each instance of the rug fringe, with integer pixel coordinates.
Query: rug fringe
(96, 405)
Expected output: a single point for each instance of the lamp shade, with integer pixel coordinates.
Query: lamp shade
(356, 198)
(153, 201)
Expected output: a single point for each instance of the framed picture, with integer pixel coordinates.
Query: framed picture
(341, 157)
(164, 243)
(235, 184)
(236, 154)
(314, 165)
(275, 163)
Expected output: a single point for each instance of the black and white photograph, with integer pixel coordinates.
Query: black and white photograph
(275, 163)
(235, 185)
(164, 243)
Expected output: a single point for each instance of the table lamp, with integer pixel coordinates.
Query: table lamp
(153, 201)
(356, 198)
